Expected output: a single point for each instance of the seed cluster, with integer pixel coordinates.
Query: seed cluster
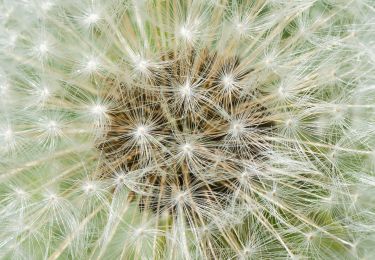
(186, 132)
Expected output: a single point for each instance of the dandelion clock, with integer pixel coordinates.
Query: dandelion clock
(197, 129)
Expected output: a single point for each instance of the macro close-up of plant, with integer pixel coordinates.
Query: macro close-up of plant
(187, 129)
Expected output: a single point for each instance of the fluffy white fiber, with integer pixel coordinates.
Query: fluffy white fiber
(197, 129)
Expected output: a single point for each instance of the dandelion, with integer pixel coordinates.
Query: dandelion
(187, 129)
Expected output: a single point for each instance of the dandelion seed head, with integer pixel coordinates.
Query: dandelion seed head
(235, 129)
